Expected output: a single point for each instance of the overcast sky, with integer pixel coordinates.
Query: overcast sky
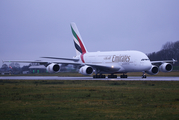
(30, 29)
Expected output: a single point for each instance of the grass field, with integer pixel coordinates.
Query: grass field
(75, 100)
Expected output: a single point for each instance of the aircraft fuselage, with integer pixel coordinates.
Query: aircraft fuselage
(124, 61)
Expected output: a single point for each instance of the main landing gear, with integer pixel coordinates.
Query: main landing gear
(103, 76)
(112, 76)
(123, 76)
(99, 76)
(115, 76)
(109, 76)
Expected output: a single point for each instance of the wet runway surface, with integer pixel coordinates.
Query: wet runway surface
(155, 78)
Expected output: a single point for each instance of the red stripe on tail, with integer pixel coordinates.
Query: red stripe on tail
(81, 45)
(82, 48)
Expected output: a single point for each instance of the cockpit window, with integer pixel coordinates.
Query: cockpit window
(144, 59)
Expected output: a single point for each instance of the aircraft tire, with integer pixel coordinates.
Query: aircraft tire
(144, 76)
(103, 76)
(112, 76)
(123, 76)
(99, 76)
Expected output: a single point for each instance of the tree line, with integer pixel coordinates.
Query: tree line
(169, 51)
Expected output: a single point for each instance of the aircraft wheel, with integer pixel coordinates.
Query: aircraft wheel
(123, 76)
(144, 76)
(103, 76)
(99, 76)
(109, 76)
(112, 76)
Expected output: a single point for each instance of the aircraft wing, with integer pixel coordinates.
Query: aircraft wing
(40, 62)
(70, 59)
(45, 63)
(164, 61)
(100, 67)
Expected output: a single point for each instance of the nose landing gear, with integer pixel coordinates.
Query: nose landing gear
(144, 76)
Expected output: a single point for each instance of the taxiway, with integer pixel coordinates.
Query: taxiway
(149, 78)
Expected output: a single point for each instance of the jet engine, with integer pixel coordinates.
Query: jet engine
(86, 70)
(153, 70)
(165, 67)
(52, 68)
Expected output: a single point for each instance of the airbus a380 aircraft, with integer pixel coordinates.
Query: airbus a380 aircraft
(106, 62)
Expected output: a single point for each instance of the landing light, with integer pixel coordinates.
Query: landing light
(112, 66)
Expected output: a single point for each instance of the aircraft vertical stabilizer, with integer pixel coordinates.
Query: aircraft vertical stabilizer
(78, 42)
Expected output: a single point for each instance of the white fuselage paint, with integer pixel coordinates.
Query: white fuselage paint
(124, 61)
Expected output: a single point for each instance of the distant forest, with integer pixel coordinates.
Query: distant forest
(169, 51)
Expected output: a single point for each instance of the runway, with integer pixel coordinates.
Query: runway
(130, 78)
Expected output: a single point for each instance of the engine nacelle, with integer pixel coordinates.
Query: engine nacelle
(86, 70)
(153, 70)
(166, 67)
(52, 68)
